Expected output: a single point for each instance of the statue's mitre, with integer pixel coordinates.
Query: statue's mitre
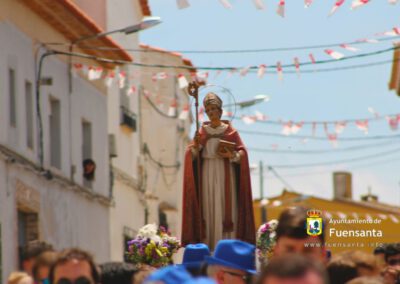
(212, 99)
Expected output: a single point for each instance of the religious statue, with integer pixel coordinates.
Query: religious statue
(217, 197)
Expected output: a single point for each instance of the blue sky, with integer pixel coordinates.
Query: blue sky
(346, 94)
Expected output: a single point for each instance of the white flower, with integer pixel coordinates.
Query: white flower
(273, 224)
(148, 231)
(272, 235)
(156, 239)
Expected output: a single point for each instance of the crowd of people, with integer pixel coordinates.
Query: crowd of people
(233, 261)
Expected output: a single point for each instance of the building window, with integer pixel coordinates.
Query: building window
(28, 229)
(86, 140)
(29, 114)
(89, 166)
(127, 117)
(55, 133)
(12, 97)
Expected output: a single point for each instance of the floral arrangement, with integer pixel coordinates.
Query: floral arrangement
(266, 240)
(153, 246)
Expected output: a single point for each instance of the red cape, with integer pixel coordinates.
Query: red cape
(192, 224)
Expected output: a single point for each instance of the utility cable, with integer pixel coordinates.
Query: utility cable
(284, 182)
(146, 151)
(385, 153)
(321, 151)
(254, 67)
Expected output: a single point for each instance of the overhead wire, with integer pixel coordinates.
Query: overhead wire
(254, 67)
(322, 151)
(311, 137)
(232, 51)
(352, 160)
(310, 173)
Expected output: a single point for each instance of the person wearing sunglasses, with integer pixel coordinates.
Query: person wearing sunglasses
(74, 266)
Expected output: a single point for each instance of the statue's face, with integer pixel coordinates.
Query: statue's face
(213, 112)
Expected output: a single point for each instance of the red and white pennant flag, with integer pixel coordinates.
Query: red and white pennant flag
(350, 48)
(226, 4)
(338, 3)
(362, 125)
(312, 58)
(110, 78)
(297, 65)
(358, 3)
(259, 4)
(247, 119)
(334, 54)
(172, 108)
(339, 127)
(279, 70)
(244, 71)
(95, 73)
(183, 83)
(333, 139)
(261, 70)
(393, 122)
(121, 80)
(281, 8)
(307, 3)
(201, 114)
(182, 4)
(159, 76)
(131, 90)
(184, 113)
(393, 2)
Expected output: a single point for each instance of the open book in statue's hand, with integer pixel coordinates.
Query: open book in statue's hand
(225, 147)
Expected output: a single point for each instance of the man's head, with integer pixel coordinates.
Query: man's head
(42, 265)
(74, 266)
(341, 269)
(30, 252)
(117, 272)
(366, 263)
(293, 269)
(233, 262)
(379, 253)
(392, 254)
(292, 237)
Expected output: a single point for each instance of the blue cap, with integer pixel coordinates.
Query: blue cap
(169, 275)
(234, 254)
(200, 280)
(194, 255)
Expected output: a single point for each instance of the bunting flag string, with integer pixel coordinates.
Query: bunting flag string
(96, 72)
(182, 4)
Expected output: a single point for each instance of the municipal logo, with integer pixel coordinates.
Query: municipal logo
(314, 223)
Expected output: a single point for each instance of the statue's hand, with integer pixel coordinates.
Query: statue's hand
(196, 140)
(226, 153)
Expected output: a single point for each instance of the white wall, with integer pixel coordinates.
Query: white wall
(128, 209)
(68, 215)
(166, 144)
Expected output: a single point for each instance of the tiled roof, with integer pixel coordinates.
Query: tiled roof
(68, 19)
